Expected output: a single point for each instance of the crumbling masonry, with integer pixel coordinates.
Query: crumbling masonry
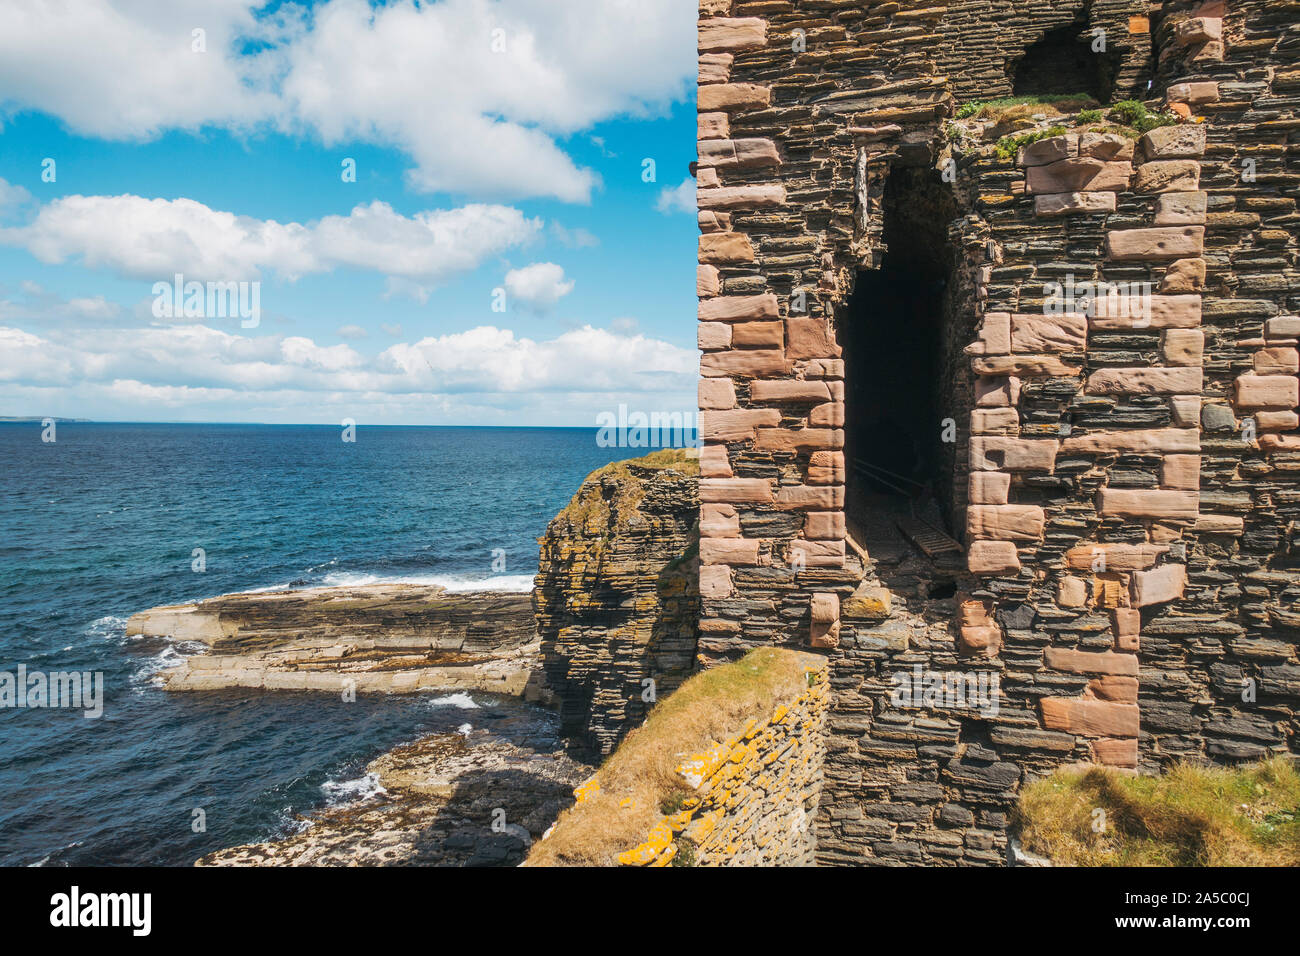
(933, 443)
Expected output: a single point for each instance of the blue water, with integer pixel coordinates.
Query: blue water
(104, 521)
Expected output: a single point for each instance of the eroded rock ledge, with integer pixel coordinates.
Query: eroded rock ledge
(439, 802)
(391, 638)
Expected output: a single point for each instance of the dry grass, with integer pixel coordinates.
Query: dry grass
(1189, 816)
(638, 782)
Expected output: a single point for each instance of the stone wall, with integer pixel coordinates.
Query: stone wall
(1125, 484)
(753, 795)
(616, 597)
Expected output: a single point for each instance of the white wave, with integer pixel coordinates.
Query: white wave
(461, 700)
(465, 729)
(510, 583)
(361, 788)
(169, 657)
(109, 626)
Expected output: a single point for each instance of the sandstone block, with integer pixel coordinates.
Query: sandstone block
(712, 126)
(714, 68)
(1078, 175)
(1101, 557)
(1050, 150)
(798, 439)
(1107, 146)
(759, 196)
(1090, 718)
(719, 521)
(1283, 327)
(995, 453)
(790, 392)
(713, 335)
(984, 640)
(738, 152)
(731, 33)
(732, 97)
(716, 393)
(1049, 333)
(1181, 209)
(707, 281)
(1277, 360)
(824, 619)
(714, 462)
(1185, 411)
(1158, 585)
(1144, 381)
(715, 581)
(994, 421)
(1022, 366)
(823, 525)
(736, 490)
(732, 551)
(1182, 347)
(994, 335)
(1129, 441)
(1159, 242)
(1197, 30)
(1267, 391)
(738, 308)
(1186, 140)
(1167, 176)
(1148, 503)
(735, 424)
(816, 554)
(1126, 622)
(988, 487)
(826, 468)
(724, 247)
(830, 415)
(1183, 275)
(867, 603)
(754, 362)
(1116, 752)
(1005, 522)
(1091, 662)
(809, 498)
(810, 338)
(1181, 472)
(1194, 93)
(756, 334)
(1069, 204)
(1117, 688)
(1151, 311)
(993, 392)
(1072, 592)
(992, 557)
(1276, 421)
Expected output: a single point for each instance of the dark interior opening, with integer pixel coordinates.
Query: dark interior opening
(900, 353)
(1063, 62)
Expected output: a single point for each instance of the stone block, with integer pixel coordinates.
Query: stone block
(809, 498)
(994, 335)
(759, 196)
(759, 363)
(713, 335)
(1267, 391)
(714, 462)
(1116, 752)
(1159, 242)
(736, 490)
(994, 421)
(716, 393)
(1145, 381)
(826, 468)
(1049, 150)
(996, 453)
(714, 68)
(1148, 503)
(1072, 592)
(1070, 204)
(993, 392)
(790, 392)
(1005, 522)
(824, 525)
(1130, 441)
(1073, 661)
(707, 281)
(731, 551)
(988, 487)
(1168, 176)
(1278, 360)
(1090, 718)
(1183, 141)
(725, 247)
(1107, 146)
(1023, 366)
(1126, 622)
(735, 424)
(755, 334)
(1146, 312)
(715, 582)
(1078, 175)
(732, 97)
(1101, 557)
(719, 521)
(816, 554)
(992, 557)
(1181, 472)
(798, 439)
(1182, 347)
(738, 308)
(810, 338)
(1049, 333)
(1181, 209)
(868, 603)
(731, 34)
(726, 153)
(1158, 585)
(712, 126)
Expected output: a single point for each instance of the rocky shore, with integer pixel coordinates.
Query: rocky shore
(475, 799)
(384, 638)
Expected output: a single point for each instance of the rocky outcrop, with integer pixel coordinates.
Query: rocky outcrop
(617, 595)
(445, 800)
(393, 638)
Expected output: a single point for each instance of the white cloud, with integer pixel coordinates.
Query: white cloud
(538, 286)
(189, 369)
(154, 238)
(351, 332)
(424, 78)
(679, 198)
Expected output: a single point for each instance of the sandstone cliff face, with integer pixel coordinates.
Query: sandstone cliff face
(617, 595)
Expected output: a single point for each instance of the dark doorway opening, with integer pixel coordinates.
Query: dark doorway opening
(1064, 62)
(902, 351)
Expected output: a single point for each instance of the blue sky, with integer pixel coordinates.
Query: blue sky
(497, 146)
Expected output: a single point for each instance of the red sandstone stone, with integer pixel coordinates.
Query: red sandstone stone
(995, 453)
(1277, 361)
(716, 393)
(1159, 585)
(707, 281)
(994, 421)
(732, 551)
(1168, 176)
(1268, 391)
(993, 392)
(798, 439)
(1147, 503)
(732, 97)
(826, 468)
(1182, 347)
(1005, 522)
(1147, 440)
(1160, 242)
(735, 424)
(1115, 688)
(738, 152)
(757, 334)
(1113, 557)
(1116, 752)
(1078, 175)
(980, 639)
(1022, 366)
(715, 581)
(1126, 622)
(1282, 327)
(732, 33)
(1070, 204)
(741, 197)
(719, 521)
(1144, 381)
(1183, 275)
(1180, 209)
(1071, 592)
(1090, 718)
(988, 487)
(1050, 150)
(1108, 146)
(1049, 333)
(723, 247)
(1182, 472)
(755, 362)
(1090, 662)
(736, 490)
(738, 308)
(823, 525)
(790, 392)
(714, 68)
(809, 498)
(712, 126)
(816, 554)
(1152, 312)
(992, 557)
(713, 335)
(1193, 93)
(824, 619)
(714, 462)
(1274, 421)
(809, 338)
(830, 415)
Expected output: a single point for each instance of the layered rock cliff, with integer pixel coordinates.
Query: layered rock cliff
(617, 594)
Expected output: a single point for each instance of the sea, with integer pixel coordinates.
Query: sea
(110, 519)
